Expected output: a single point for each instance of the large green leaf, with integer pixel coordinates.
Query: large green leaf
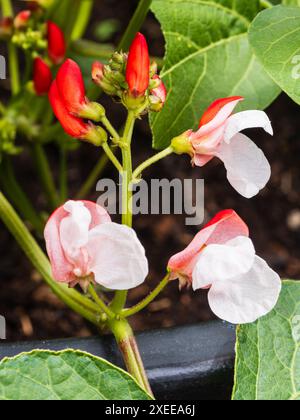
(275, 38)
(207, 57)
(268, 352)
(67, 375)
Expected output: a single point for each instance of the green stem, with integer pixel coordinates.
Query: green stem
(2, 109)
(92, 178)
(144, 303)
(127, 165)
(63, 175)
(120, 298)
(45, 174)
(112, 157)
(129, 349)
(135, 24)
(18, 196)
(73, 299)
(156, 158)
(109, 127)
(7, 9)
(110, 314)
(266, 4)
(83, 17)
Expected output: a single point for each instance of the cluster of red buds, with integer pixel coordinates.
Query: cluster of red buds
(44, 40)
(129, 77)
(132, 78)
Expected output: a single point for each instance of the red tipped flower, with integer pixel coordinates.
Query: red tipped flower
(42, 76)
(22, 19)
(138, 67)
(56, 43)
(73, 126)
(71, 87)
(161, 91)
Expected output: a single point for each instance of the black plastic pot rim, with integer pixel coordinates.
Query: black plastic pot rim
(185, 363)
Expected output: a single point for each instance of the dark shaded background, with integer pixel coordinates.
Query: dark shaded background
(33, 312)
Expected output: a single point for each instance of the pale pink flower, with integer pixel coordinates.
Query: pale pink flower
(248, 170)
(83, 244)
(221, 258)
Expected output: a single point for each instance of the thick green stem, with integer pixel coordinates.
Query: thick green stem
(120, 298)
(73, 299)
(83, 17)
(144, 303)
(135, 24)
(45, 174)
(129, 349)
(18, 196)
(156, 158)
(7, 9)
(92, 178)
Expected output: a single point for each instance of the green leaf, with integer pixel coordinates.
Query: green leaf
(67, 375)
(275, 38)
(207, 57)
(268, 352)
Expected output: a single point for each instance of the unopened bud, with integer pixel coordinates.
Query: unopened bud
(22, 19)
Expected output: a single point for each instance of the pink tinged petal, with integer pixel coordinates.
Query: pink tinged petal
(217, 263)
(248, 170)
(62, 269)
(74, 235)
(225, 226)
(246, 298)
(244, 120)
(220, 118)
(98, 213)
(201, 160)
(206, 146)
(117, 258)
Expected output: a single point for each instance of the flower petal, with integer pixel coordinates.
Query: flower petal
(217, 263)
(74, 233)
(217, 114)
(247, 119)
(248, 170)
(62, 269)
(246, 298)
(225, 226)
(117, 258)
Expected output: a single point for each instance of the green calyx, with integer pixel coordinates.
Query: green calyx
(96, 136)
(93, 111)
(182, 145)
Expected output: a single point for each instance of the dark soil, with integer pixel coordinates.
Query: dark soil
(31, 310)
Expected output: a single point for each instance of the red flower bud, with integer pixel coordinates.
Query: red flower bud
(56, 43)
(71, 87)
(22, 19)
(138, 67)
(73, 126)
(42, 76)
(97, 72)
